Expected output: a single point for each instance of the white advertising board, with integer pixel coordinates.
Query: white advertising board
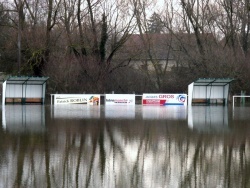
(164, 99)
(90, 99)
(120, 99)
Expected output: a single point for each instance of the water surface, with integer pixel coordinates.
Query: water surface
(124, 146)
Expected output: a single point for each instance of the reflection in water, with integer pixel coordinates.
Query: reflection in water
(164, 112)
(76, 111)
(124, 152)
(241, 113)
(119, 112)
(21, 118)
(208, 118)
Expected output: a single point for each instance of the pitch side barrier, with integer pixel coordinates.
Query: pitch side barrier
(157, 99)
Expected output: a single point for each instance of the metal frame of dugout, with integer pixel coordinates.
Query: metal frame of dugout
(209, 91)
(23, 90)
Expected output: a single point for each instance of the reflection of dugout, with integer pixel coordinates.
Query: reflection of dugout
(23, 118)
(209, 91)
(208, 118)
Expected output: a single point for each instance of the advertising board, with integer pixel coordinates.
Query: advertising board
(90, 99)
(120, 99)
(164, 99)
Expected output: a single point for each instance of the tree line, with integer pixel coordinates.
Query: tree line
(80, 44)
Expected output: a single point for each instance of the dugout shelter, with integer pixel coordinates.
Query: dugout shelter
(209, 91)
(24, 89)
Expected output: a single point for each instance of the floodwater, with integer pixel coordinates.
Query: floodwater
(125, 146)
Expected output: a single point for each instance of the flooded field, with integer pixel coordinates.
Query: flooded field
(124, 146)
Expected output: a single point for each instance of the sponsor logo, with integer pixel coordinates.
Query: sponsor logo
(119, 100)
(166, 96)
(94, 100)
(151, 96)
(71, 100)
(181, 98)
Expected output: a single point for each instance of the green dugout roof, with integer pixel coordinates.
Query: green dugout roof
(20, 80)
(213, 81)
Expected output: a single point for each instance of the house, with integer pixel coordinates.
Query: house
(163, 52)
(149, 52)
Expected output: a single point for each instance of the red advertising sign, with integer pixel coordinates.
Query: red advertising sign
(164, 99)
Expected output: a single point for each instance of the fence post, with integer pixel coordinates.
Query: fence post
(243, 98)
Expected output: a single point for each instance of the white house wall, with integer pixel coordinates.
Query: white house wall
(148, 65)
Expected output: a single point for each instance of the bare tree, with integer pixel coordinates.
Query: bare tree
(33, 25)
(96, 30)
(152, 44)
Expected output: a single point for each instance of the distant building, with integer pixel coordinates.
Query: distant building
(164, 52)
(149, 52)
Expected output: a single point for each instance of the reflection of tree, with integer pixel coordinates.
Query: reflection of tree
(115, 146)
(244, 165)
(47, 159)
(68, 147)
(91, 164)
(102, 152)
(20, 161)
(79, 160)
(228, 160)
(33, 165)
(192, 172)
(121, 153)
(137, 173)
